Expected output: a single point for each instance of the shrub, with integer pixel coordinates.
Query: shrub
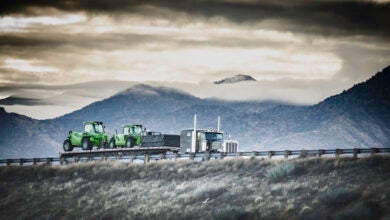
(338, 197)
(280, 172)
(360, 210)
(230, 213)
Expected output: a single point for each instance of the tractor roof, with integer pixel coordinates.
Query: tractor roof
(93, 122)
(131, 125)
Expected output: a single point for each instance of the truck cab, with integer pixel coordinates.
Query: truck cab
(206, 141)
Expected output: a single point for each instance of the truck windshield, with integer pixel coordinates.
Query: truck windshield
(214, 136)
(99, 128)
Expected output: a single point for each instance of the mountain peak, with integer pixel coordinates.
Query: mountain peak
(149, 90)
(141, 89)
(235, 79)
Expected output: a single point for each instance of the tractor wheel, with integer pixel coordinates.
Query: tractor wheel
(86, 144)
(112, 143)
(67, 145)
(129, 143)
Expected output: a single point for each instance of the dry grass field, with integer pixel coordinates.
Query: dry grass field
(315, 188)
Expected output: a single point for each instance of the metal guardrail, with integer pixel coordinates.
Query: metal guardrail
(166, 153)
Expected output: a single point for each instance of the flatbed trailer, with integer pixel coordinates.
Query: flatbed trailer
(117, 152)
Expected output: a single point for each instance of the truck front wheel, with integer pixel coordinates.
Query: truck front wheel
(67, 145)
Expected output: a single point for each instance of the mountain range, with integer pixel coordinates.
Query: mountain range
(357, 117)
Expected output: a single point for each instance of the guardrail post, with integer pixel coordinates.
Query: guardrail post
(255, 154)
(270, 154)
(75, 159)
(118, 157)
(287, 153)
(176, 155)
(206, 156)
(356, 151)
(238, 154)
(89, 158)
(21, 161)
(35, 161)
(132, 158)
(162, 156)
(320, 152)
(338, 152)
(49, 160)
(221, 155)
(303, 154)
(374, 151)
(104, 157)
(62, 160)
(9, 162)
(146, 158)
(192, 156)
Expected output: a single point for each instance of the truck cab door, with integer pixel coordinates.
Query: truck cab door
(201, 143)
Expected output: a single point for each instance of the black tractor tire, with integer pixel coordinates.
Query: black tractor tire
(86, 144)
(129, 143)
(67, 145)
(112, 144)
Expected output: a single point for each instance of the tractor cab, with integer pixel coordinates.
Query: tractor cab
(133, 130)
(94, 127)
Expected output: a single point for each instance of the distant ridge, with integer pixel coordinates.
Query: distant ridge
(235, 79)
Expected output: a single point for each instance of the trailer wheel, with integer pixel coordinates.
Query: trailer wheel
(67, 145)
(129, 143)
(112, 143)
(86, 144)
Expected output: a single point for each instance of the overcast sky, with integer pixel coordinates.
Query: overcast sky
(299, 51)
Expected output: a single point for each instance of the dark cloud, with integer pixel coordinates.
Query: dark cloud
(7, 74)
(343, 18)
(22, 101)
(38, 40)
(34, 43)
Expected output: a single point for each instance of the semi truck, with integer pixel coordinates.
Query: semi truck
(192, 140)
(205, 140)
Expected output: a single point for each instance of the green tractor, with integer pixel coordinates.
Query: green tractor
(93, 135)
(131, 136)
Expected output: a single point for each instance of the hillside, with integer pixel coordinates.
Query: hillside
(316, 188)
(358, 117)
(22, 136)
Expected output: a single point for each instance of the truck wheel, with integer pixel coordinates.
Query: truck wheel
(129, 143)
(112, 143)
(67, 145)
(86, 144)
